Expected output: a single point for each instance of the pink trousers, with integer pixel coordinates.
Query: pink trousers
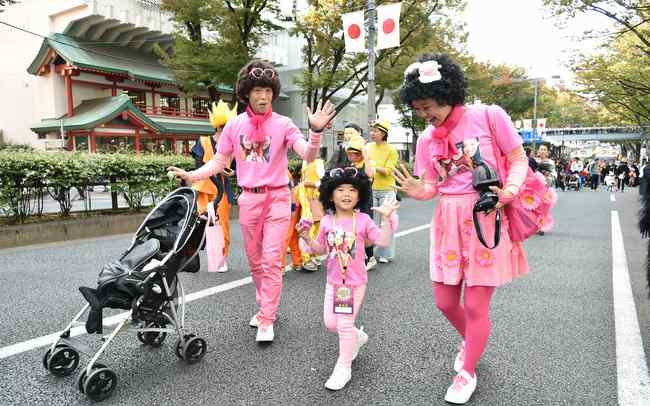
(264, 218)
(343, 324)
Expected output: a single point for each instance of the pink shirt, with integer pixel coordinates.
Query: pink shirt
(472, 137)
(264, 164)
(366, 230)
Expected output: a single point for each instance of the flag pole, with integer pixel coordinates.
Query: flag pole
(372, 115)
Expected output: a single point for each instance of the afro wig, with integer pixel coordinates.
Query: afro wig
(449, 90)
(343, 176)
(246, 81)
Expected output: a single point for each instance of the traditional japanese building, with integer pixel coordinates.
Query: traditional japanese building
(99, 85)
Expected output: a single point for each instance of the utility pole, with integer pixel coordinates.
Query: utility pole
(372, 114)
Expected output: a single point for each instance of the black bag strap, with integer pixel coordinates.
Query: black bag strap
(497, 229)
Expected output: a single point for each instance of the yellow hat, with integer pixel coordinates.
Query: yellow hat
(382, 125)
(356, 143)
(220, 114)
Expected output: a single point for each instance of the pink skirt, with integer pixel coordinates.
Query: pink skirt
(457, 254)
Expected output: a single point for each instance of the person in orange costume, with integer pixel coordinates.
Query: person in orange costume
(291, 241)
(202, 152)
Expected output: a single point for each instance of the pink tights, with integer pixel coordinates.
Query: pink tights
(343, 324)
(472, 321)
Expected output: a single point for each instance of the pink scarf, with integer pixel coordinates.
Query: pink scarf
(257, 121)
(446, 149)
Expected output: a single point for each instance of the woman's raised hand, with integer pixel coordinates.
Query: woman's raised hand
(407, 183)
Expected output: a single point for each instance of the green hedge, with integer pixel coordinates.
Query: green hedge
(26, 177)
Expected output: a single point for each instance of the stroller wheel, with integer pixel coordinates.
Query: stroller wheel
(100, 384)
(62, 362)
(152, 338)
(81, 378)
(194, 350)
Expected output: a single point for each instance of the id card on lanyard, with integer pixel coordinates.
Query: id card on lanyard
(343, 295)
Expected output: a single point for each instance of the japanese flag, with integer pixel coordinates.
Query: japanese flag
(354, 32)
(388, 25)
(541, 125)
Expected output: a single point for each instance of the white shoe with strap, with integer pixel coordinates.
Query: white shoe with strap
(461, 389)
(265, 334)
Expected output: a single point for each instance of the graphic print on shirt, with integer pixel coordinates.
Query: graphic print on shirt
(341, 243)
(254, 151)
(467, 157)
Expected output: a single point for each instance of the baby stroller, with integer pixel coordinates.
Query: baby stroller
(573, 182)
(145, 282)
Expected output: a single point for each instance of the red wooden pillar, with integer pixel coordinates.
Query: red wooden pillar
(68, 93)
(114, 89)
(137, 141)
(174, 144)
(93, 142)
(154, 108)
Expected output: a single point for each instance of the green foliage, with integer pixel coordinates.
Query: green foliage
(26, 176)
(329, 69)
(237, 29)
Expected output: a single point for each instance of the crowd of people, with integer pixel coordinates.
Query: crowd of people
(574, 174)
(332, 214)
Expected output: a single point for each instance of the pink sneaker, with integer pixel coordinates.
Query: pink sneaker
(460, 357)
(461, 389)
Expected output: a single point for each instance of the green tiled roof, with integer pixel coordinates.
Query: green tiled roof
(106, 58)
(94, 112)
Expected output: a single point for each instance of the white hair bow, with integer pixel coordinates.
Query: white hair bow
(429, 71)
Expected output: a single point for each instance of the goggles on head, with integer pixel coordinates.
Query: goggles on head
(343, 172)
(259, 73)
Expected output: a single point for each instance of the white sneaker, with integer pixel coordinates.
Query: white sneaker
(224, 268)
(255, 322)
(383, 260)
(460, 358)
(372, 263)
(265, 333)
(461, 389)
(291, 268)
(339, 378)
(362, 339)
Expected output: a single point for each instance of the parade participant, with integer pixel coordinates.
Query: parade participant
(458, 141)
(339, 158)
(343, 234)
(310, 208)
(259, 140)
(385, 158)
(202, 152)
(291, 242)
(357, 155)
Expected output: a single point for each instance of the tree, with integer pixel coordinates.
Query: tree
(329, 70)
(618, 78)
(630, 17)
(213, 39)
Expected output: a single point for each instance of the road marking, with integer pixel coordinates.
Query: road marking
(612, 197)
(15, 349)
(631, 366)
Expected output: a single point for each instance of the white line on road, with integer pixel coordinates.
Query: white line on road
(631, 367)
(612, 197)
(43, 341)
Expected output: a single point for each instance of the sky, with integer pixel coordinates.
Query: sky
(522, 33)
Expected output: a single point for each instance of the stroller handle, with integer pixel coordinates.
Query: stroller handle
(220, 189)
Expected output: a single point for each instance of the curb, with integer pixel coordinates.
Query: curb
(75, 228)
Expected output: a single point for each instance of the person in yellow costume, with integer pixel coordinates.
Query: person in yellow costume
(202, 152)
(385, 157)
(310, 207)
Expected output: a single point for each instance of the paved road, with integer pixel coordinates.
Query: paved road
(553, 341)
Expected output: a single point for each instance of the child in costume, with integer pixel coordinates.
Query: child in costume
(259, 140)
(310, 208)
(458, 140)
(202, 152)
(343, 234)
(291, 242)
